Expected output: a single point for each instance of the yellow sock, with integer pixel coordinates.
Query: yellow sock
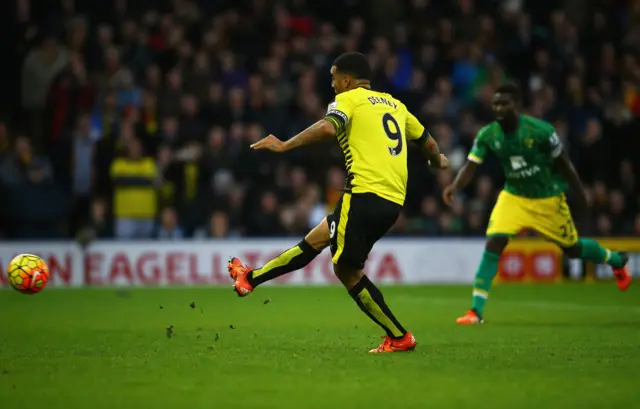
(290, 260)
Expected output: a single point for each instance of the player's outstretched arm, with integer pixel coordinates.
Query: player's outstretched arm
(463, 178)
(317, 132)
(568, 171)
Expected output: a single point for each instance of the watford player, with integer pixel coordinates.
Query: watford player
(372, 129)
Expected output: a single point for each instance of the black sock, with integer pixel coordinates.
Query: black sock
(371, 302)
(291, 260)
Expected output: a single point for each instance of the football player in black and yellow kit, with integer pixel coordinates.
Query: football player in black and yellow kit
(372, 129)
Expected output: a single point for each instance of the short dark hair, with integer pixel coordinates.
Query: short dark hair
(510, 88)
(355, 65)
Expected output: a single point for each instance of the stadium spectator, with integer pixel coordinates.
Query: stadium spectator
(99, 220)
(134, 179)
(217, 228)
(196, 81)
(74, 168)
(265, 219)
(36, 204)
(168, 228)
(14, 167)
(39, 69)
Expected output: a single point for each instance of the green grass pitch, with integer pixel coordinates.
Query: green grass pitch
(553, 346)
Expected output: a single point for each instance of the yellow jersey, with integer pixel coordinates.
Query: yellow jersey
(135, 193)
(372, 129)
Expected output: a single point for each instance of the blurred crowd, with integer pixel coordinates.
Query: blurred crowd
(133, 118)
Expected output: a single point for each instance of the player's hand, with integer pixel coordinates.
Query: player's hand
(449, 195)
(444, 162)
(270, 143)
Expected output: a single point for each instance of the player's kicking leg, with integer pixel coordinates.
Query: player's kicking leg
(372, 217)
(295, 258)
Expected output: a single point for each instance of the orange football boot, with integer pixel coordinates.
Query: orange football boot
(470, 318)
(622, 274)
(239, 272)
(406, 343)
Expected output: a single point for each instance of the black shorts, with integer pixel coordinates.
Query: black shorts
(357, 223)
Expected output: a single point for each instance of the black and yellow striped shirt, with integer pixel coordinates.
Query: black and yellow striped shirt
(135, 192)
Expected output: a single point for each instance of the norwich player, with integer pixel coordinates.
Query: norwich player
(537, 172)
(372, 129)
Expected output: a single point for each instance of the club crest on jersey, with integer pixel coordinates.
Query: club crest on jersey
(529, 142)
(497, 145)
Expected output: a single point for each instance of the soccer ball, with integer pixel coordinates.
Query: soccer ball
(28, 273)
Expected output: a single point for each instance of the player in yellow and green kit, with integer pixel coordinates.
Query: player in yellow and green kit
(537, 172)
